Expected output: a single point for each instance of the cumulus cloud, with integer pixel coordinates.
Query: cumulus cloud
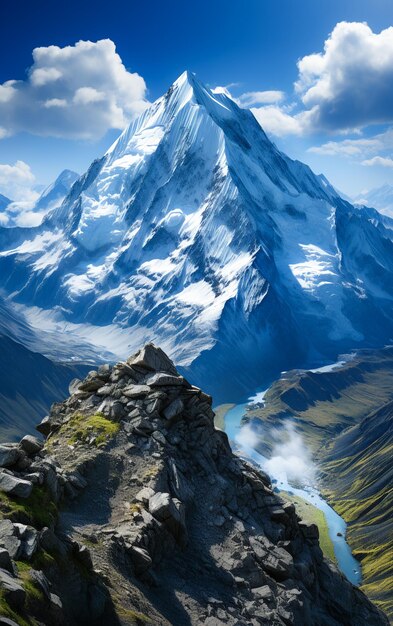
(343, 88)
(358, 147)
(277, 121)
(350, 84)
(251, 98)
(17, 182)
(378, 160)
(77, 91)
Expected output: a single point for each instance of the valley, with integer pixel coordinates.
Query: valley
(344, 413)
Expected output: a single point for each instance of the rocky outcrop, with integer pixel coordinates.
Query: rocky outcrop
(139, 512)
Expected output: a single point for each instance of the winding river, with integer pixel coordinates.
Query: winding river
(336, 525)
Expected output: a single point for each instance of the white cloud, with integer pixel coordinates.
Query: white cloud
(290, 457)
(87, 95)
(55, 102)
(359, 147)
(277, 121)
(378, 160)
(350, 84)
(17, 181)
(344, 88)
(247, 437)
(251, 98)
(348, 147)
(44, 75)
(77, 91)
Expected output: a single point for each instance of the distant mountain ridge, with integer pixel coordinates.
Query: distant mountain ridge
(196, 232)
(50, 198)
(4, 202)
(380, 198)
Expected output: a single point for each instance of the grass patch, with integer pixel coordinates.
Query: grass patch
(130, 615)
(43, 560)
(37, 510)
(220, 413)
(309, 513)
(82, 428)
(151, 472)
(6, 611)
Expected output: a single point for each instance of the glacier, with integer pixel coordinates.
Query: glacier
(196, 232)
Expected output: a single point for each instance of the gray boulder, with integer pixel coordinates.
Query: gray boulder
(45, 426)
(174, 409)
(152, 358)
(8, 456)
(15, 486)
(5, 560)
(30, 444)
(136, 391)
(8, 538)
(29, 537)
(171, 512)
(164, 380)
(12, 589)
(140, 558)
(5, 621)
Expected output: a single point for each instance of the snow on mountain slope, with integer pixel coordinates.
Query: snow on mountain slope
(195, 231)
(55, 193)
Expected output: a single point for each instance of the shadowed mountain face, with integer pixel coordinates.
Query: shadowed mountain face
(29, 384)
(136, 511)
(196, 231)
(4, 202)
(29, 381)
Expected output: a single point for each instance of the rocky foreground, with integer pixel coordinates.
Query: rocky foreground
(135, 511)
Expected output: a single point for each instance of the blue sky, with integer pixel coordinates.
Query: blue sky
(73, 100)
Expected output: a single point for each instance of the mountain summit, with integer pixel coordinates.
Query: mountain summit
(195, 231)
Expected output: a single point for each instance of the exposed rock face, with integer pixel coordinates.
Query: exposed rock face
(159, 520)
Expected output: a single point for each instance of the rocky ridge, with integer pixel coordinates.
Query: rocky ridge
(136, 511)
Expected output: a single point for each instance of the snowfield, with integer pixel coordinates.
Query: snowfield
(196, 232)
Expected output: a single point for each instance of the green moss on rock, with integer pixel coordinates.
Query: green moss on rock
(92, 429)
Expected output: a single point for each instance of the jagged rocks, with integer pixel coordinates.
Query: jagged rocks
(29, 538)
(174, 409)
(156, 499)
(171, 513)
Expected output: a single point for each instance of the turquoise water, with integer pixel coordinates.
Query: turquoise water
(345, 560)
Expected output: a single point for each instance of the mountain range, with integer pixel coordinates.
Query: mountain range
(380, 198)
(195, 231)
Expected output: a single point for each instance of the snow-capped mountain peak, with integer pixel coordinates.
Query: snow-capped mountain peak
(196, 232)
